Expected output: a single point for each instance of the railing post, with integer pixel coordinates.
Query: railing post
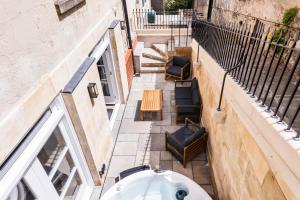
(210, 7)
(179, 33)
(171, 38)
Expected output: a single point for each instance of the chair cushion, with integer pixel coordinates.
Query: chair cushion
(194, 83)
(194, 136)
(177, 139)
(183, 102)
(174, 70)
(196, 97)
(180, 61)
(183, 93)
(187, 111)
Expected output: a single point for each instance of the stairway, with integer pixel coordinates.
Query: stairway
(154, 59)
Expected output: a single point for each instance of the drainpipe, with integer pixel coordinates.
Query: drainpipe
(127, 23)
(210, 7)
(125, 11)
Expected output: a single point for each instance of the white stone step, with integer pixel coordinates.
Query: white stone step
(150, 61)
(162, 48)
(151, 51)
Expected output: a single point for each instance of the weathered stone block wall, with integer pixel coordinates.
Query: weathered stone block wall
(240, 162)
(264, 9)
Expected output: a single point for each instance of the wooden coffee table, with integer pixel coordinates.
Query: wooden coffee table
(152, 102)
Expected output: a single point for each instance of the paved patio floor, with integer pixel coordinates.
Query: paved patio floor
(143, 142)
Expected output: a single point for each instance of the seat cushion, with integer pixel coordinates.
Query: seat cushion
(183, 93)
(174, 70)
(180, 61)
(194, 83)
(196, 97)
(197, 134)
(183, 102)
(187, 111)
(177, 139)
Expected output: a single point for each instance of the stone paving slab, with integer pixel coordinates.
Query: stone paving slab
(125, 149)
(118, 164)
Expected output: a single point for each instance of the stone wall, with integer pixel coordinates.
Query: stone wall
(264, 9)
(244, 163)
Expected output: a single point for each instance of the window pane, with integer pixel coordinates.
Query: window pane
(51, 150)
(73, 188)
(102, 72)
(63, 172)
(21, 192)
(105, 89)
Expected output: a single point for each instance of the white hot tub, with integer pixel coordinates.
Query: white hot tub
(156, 185)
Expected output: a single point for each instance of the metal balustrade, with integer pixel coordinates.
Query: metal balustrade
(271, 68)
(150, 19)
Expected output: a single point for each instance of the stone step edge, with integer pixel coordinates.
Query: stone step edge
(147, 55)
(158, 50)
(153, 65)
(152, 71)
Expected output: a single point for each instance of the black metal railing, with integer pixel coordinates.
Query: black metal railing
(180, 35)
(271, 68)
(150, 19)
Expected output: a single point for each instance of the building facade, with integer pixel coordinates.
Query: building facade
(64, 74)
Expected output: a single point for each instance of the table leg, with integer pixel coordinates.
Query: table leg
(161, 114)
(142, 115)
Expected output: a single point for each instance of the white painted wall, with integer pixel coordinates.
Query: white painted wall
(34, 41)
(39, 54)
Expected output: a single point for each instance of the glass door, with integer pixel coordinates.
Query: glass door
(52, 175)
(106, 78)
(58, 164)
(50, 165)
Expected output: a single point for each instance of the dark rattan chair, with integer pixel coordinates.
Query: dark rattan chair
(178, 67)
(188, 100)
(187, 142)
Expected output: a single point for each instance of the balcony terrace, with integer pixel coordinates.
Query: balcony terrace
(257, 114)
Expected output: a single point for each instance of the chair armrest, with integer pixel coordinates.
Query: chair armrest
(184, 67)
(189, 121)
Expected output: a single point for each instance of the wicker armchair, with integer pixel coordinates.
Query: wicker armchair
(187, 142)
(178, 67)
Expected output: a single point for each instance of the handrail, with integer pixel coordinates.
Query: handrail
(224, 79)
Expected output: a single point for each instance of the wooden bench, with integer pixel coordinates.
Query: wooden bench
(152, 102)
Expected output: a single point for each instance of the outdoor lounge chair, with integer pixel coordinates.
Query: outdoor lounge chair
(187, 142)
(188, 100)
(178, 67)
